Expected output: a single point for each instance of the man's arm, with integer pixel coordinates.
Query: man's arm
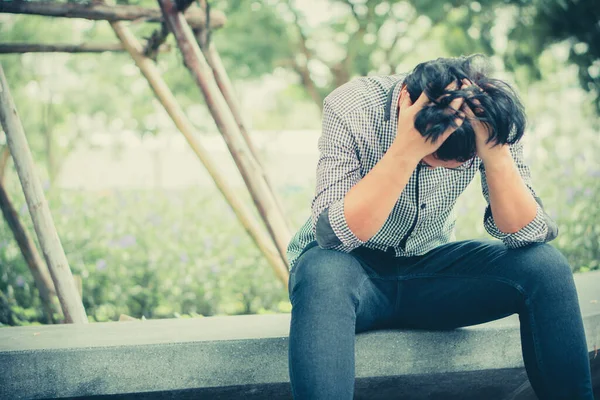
(347, 210)
(514, 213)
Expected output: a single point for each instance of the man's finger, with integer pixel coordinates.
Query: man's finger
(404, 100)
(457, 103)
(452, 85)
(458, 121)
(422, 100)
(467, 110)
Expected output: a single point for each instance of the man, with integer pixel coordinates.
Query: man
(395, 154)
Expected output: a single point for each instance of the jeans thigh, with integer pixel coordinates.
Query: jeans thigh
(448, 301)
(324, 283)
(471, 282)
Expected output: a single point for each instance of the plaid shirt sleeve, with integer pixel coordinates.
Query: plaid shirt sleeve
(338, 170)
(541, 230)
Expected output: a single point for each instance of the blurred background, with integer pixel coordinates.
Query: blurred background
(145, 230)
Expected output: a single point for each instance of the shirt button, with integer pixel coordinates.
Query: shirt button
(423, 206)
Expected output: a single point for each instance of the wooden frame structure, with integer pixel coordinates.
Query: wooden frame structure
(191, 27)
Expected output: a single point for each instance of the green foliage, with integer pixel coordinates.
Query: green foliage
(531, 27)
(253, 40)
(146, 253)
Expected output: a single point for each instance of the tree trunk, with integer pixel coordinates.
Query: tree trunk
(247, 165)
(95, 11)
(38, 207)
(168, 101)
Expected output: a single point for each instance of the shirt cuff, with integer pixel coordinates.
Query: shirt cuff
(333, 232)
(534, 232)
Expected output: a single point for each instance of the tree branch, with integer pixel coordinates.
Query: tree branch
(195, 16)
(19, 48)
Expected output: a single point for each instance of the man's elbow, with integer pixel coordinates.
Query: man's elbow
(509, 229)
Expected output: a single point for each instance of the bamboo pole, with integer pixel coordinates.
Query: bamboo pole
(4, 156)
(214, 60)
(38, 207)
(20, 48)
(97, 11)
(247, 165)
(36, 265)
(168, 101)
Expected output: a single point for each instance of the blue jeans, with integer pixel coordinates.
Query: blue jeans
(335, 295)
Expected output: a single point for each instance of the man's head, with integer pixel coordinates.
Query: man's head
(499, 106)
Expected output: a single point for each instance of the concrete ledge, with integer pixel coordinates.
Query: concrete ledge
(246, 357)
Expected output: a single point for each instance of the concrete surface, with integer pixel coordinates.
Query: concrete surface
(245, 357)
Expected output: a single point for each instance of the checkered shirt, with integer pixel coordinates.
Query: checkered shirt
(359, 125)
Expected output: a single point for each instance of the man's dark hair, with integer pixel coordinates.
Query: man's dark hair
(500, 108)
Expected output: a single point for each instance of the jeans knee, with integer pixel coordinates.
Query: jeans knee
(321, 272)
(545, 265)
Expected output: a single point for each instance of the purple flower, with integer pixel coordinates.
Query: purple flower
(46, 185)
(126, 241)
(101, 264)
(184, 258)
(121, 198)
(594, 173)
(570, 195)
(64, 210)
(154, 219)
(20, 282)
(587, 192)
(214, 268)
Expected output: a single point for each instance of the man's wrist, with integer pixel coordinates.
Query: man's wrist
(403, 155)
(496, 157)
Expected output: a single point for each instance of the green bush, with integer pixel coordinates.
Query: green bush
(146, 254)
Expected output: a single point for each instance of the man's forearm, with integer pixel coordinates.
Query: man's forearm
(513, 206)
(369, 203)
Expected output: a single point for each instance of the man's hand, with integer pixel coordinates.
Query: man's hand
(408, 139)
(488, 152)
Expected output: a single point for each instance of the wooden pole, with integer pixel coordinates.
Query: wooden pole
(168, 101)
(36, 265)
(3, 162)
(248, 166)
(38, 207)
(97, 11)
(20, 48)
(222, 79)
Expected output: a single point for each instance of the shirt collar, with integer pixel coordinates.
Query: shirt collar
(391, 103)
